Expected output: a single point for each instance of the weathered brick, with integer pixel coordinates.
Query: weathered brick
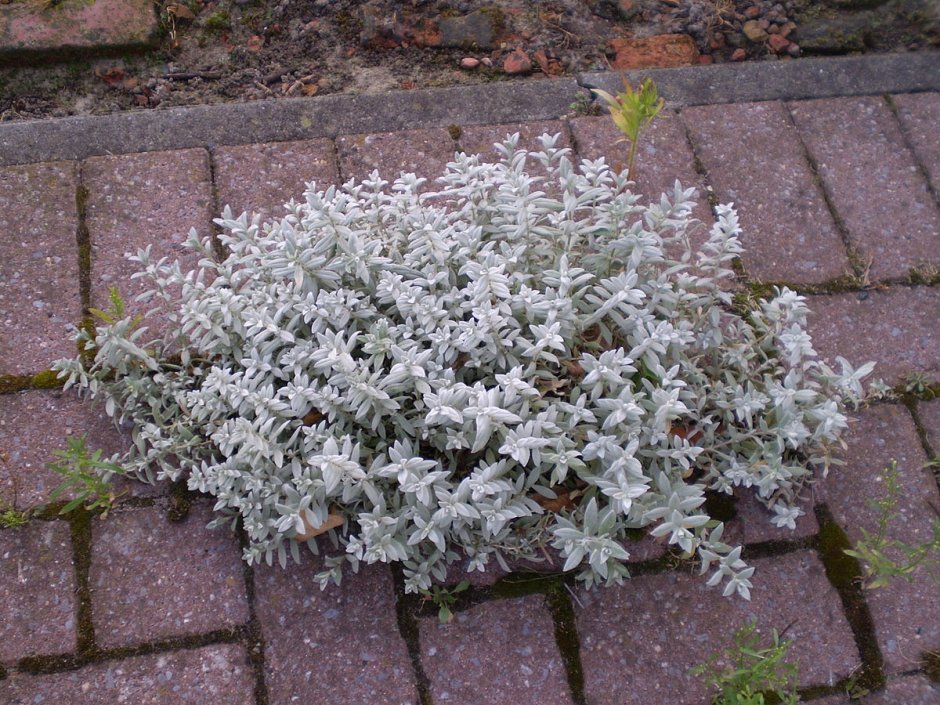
(906, 615)
(340, 645)
(754, 158)
(873, 181)
(212, 674)
(39, 294)
(152, 579)
(502, 651)
(99, 25)
(33, 424)
(135, 200)
(639, 640)
(755, 521)
(910, 690)
(424, 152)
(263, 177)
(929, 413)
(920, 114)
(37, 587)
(899, 329)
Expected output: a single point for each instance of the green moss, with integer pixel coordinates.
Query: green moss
(47, 379)
(522, 584)
(455, 132)
(932, 665)
(842, 570)
(720, 506)
(217, 21)
(567, 639)
(11, 518)
(180, 502)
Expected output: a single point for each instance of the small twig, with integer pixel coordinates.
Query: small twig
(186, 75)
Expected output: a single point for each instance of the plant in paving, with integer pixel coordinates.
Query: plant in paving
(85, 476)
(883, 557)
(750, 674)
(632, 112)
(476, 373)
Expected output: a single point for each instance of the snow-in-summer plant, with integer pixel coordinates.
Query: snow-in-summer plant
(435, 367)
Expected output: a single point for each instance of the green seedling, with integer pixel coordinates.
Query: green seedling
(10, 516)
(884, 558)
(445, 598)
(87, 476)
(632, 112)
(750, 674)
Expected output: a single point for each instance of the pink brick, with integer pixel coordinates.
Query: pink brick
(873, 181)
(480, 139)
(639, 641)
(39, 295)
(423, 152)
(218, 674)
(152, 579)
(663, 157)
(135, 200)
(340, 645)
(906, 615)
(101, 24)
(263, 177)
(756, 526)
(920, 114)
(898, 329)
(34, 424)
(37, 588)
(499, 652)
(754, 159)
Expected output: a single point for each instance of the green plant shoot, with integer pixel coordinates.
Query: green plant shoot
(445, 598)
(752, 672)
(632, 112)
(884, 558)
(87, 476)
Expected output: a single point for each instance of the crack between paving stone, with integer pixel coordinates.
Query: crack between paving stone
(906, 137)
(254, 637)
(567, 639)
(214, 228)
(334, 147)
(406, 607)
(913, 406)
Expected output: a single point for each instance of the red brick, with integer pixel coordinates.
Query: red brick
(152, 579)
(340, 645)
(263, 177)
(639, 641)
(135, 200)
(423, 152)
(502, 651)
(754, 159)
(37, 587)
(39, 295)
(873, 181)
(755, 521)
(33, 425)
(212, 674)
(661, 51)
(906, 615)
(899, 329)
(920, 114)
(480, 139)
(74, 24)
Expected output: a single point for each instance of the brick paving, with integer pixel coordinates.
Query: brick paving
(137, 608)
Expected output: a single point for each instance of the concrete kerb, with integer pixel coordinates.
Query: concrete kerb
(333, 115)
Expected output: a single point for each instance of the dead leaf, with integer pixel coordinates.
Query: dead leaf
(312, 417)
(574, 368)
(113, 76)
(332, 521)
(310, 89)
(563, 500)
(408, 85)
(254, 43)
(181, 11)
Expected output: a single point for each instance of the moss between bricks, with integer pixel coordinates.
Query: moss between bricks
(47, 379)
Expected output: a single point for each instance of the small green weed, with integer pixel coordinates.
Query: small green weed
(87, 476)
(632, 112)
(10, 516)
(445, 598)
(583, 105)
(754, 675)
(885, 558)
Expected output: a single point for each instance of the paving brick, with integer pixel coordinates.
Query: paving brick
(502, 651)
(424, 152)
(37, 584)
(152, 579)
(755, 521)
(213, 674)
(919, 114)
(100, 25)
(911, 690)
(929, 412)
(873, 181)
(754, 158)
(263, 177)
(39, 295)
(340, 645)
(663, 157)
(33, 424)
(898, 329)
(135, 200)
(480, 139)
(639, 640)
(906, 615)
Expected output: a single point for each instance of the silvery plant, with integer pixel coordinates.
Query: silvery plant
(495, 370)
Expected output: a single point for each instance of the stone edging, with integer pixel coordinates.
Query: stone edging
(332, 115)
